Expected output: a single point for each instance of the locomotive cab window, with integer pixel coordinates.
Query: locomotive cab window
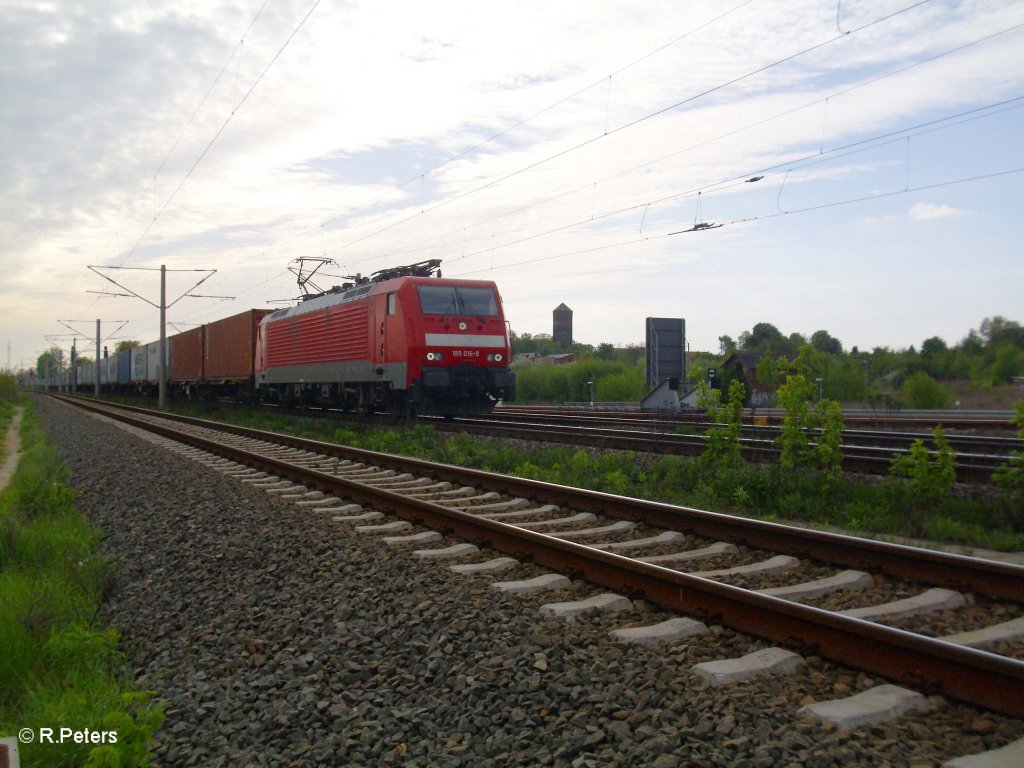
(478, 301)
(457, 300)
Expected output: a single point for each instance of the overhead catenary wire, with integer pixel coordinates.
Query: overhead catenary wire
(533, 116)
(174, 145)
(807, 160)
(808, 209)
(220, 131)
(629, 125)
(184, 130)
(719, 137)
(589, 184)
(492, 247)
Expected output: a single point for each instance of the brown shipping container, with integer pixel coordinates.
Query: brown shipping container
(230, 346)
(187, 360)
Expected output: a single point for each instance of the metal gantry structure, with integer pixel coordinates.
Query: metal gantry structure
(163, 306)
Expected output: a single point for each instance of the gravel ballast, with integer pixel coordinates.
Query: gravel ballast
(276, 636)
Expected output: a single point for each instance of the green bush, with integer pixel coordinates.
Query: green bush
(548, 383)
(811, 433)
(931, 474)
(923, 392)
(1010, 476)
(724, 449)
(8, 390)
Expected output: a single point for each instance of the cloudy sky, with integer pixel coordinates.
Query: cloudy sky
(561, 149)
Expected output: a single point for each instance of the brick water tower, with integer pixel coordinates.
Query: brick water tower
(561, 325)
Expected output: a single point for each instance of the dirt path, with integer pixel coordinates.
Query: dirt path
(12, 449)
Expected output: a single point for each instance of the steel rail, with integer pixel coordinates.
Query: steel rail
(932, 666)
(996, 420)
(970, 574)
(976, 444)
(867, 459)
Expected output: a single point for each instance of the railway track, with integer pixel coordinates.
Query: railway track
(999, 422)
(971, 467)
(865, 452)
(767, 580)
(967, 444)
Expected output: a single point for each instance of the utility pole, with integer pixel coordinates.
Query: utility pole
(77, 334)
(97, 379)
(162, 372)
(163, 306)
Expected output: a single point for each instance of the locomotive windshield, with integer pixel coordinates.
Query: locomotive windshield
(457, 300)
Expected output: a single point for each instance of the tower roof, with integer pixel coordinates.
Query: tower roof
(562, 308)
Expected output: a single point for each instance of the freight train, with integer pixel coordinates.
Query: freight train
(404, 340)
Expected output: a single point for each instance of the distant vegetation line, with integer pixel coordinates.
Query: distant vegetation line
(979, 371)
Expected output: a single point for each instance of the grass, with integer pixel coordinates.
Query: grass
(60, 666)
(891, 506)
(6, 414)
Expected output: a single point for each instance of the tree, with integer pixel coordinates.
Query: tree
(605, 351)
(933, 347)
(126, 344)
(825, 342)
(726, 345)
(972, 343)
(50, 363)
(1008, 363)
(998, 330)
(764, 338)
(768, 374)
(937, 359)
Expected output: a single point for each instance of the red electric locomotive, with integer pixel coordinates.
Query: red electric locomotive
(405, 340)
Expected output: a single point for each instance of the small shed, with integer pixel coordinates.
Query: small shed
(743, 365)
(560, 359)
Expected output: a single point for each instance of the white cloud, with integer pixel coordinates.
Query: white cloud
(367, 97)
(931, 211)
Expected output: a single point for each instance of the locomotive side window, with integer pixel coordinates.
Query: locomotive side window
(392, 303)
(452, 300)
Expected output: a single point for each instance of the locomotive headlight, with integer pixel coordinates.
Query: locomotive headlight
(498, 357)
(433, 356)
